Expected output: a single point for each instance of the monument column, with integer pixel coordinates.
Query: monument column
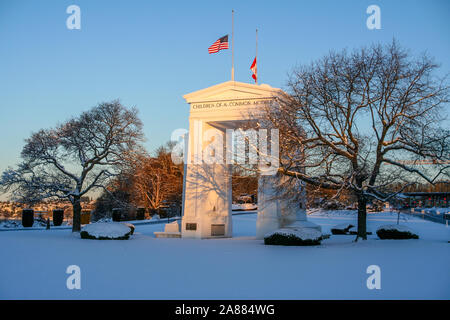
(293, 212)
(269, 209)
(207, 189)
(281, 211)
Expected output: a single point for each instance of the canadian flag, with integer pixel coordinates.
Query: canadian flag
(253, 68)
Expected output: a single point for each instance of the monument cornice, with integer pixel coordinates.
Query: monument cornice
(233, 91)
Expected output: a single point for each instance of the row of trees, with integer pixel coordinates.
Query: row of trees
(154, 181)
(439, 186)
(100, 149)
(148, 181)
(346, 124)
(76, 157)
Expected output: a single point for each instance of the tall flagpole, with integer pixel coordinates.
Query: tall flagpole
(232, 45)
(256, 56)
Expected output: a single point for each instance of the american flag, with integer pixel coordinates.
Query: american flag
(220, 44)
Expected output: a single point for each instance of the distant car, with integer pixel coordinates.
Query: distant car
(244, 206)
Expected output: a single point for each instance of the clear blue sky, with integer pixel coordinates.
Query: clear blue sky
(150, 53)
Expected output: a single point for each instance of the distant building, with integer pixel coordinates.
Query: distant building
(422, 200)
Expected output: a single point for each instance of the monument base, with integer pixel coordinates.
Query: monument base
(167, 234)
(208, 226)
(171, 230)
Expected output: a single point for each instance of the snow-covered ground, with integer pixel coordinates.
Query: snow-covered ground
(33, 264)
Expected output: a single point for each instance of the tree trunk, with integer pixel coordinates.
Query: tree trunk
(76, 221)
(362, 215)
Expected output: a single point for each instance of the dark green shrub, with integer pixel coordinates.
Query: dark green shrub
(286, 239)
(85, 235)
(163, 212)
(58, 217)
(393, 233)
(27, 218)
(116, 214)
(341, 229)
(140, 214)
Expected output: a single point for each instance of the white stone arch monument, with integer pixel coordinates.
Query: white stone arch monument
(207, 181)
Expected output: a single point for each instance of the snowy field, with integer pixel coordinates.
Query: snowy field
(33, 264)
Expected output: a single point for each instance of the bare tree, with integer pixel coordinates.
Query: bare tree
(244, 181)
(157, 179)
(75, 157)
(351, 119)
(116, 194)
